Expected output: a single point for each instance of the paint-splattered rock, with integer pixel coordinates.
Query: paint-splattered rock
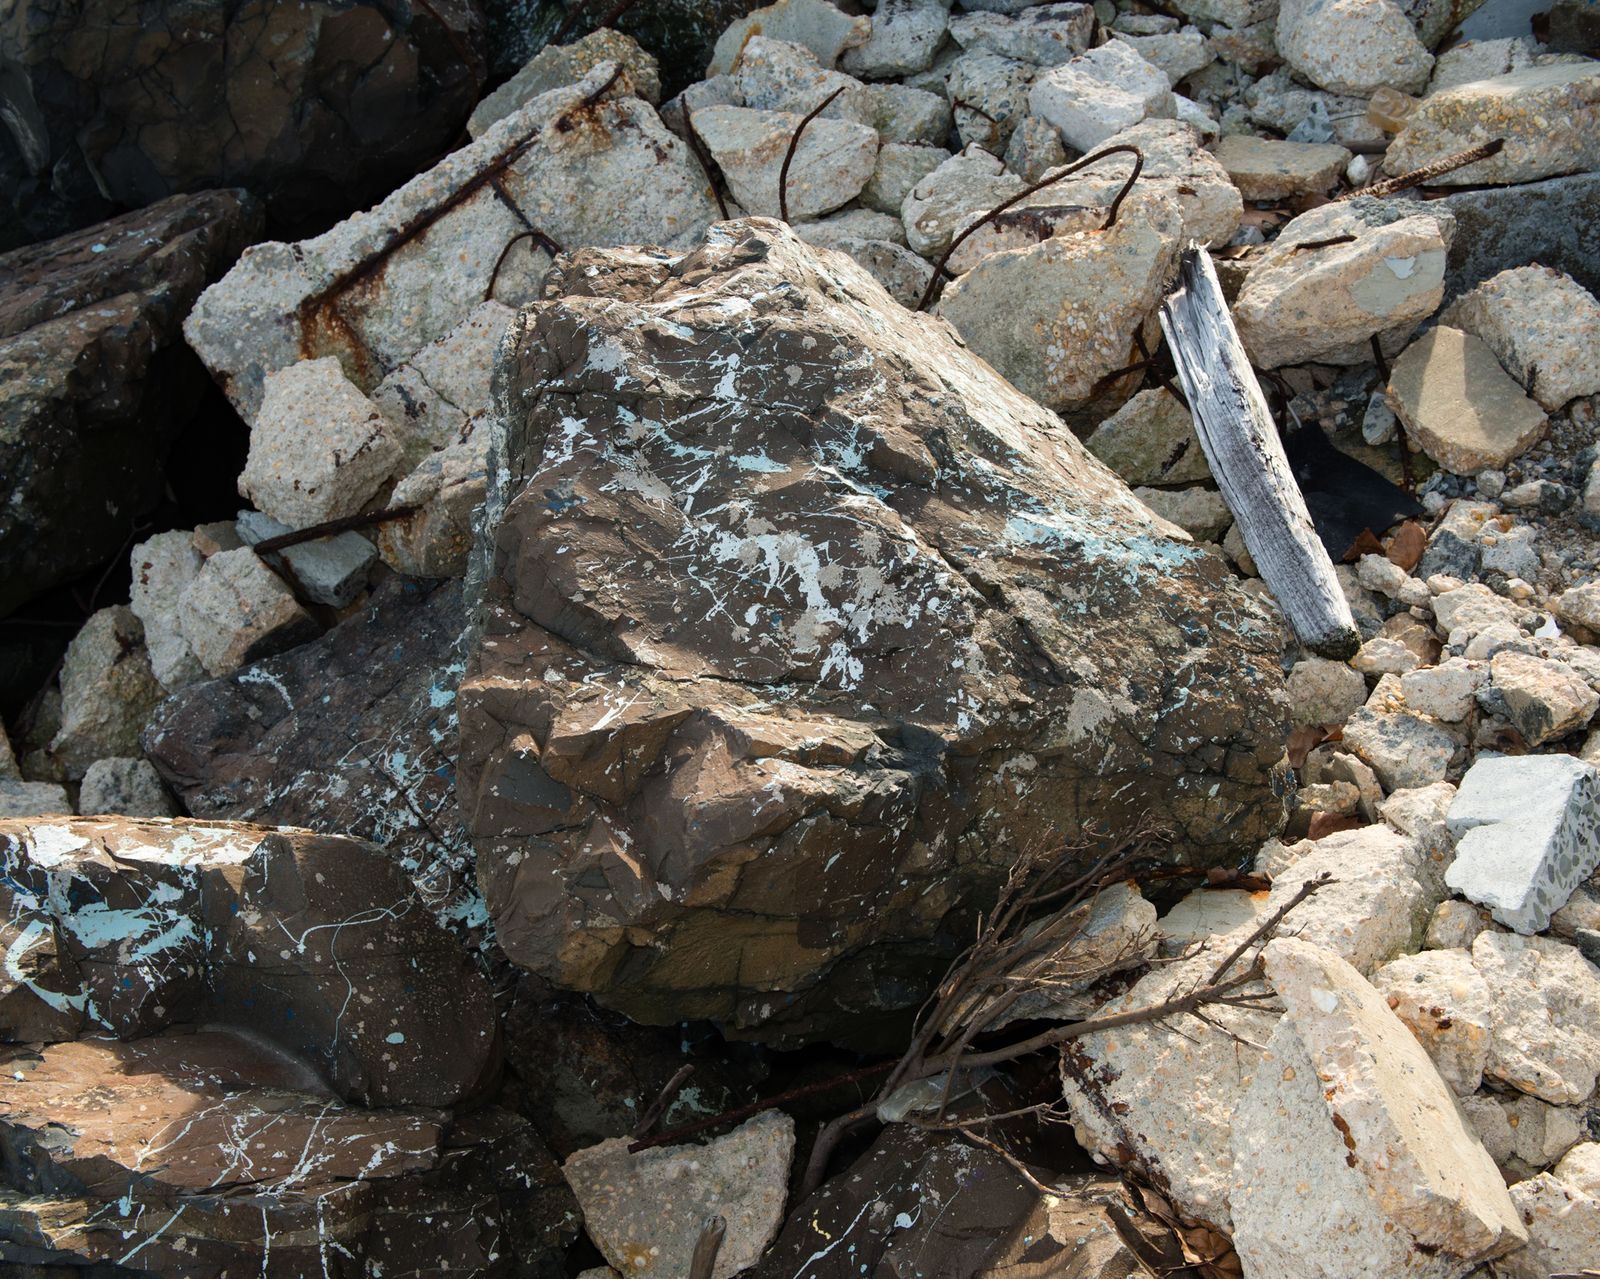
(210, 1153)
(799, 624)
(125, 926)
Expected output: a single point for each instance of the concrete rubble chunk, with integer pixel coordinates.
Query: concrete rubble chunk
(1045, 35)
(319, 449)
(1351, 1156)
(900, 166)
(1324, 692)
(1563, 1225)
(1178, 54)
(645, 1211)
(1545, 1000)
(905, 36)
(953, 196)
(1307, 299)
(1552, 222)
(1035, 149)
(988, 96)
(1548, 116)
(1543, 327)
(1404, 749)
(1444, 1002)
(162, 569)
(1526, 835)
(1151, 440)
(833, 162)
(779, 856)
(1522, 1134)
(779, 75)
(1544, 700)
(1353, 46)
(1100, 93)
(1057, 317)
(1380, 905)
(32, 799)
(448, 489)
(1198, 511)
(1281, 103)
(130, 787)
(584, 164)
(238, 610)
(901, 113)
(330, 570)
(1264, 169)
(558, 65)
(1230, 13)
(823, 29)
(1459, 406)
(107, 691)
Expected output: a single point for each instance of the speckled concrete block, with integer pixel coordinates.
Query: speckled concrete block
(1528, 832)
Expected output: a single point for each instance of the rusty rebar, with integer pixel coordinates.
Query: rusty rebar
(697, 144)
(794, 142)
(1416, 177)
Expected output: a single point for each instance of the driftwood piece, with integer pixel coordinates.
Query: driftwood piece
(1241, 443)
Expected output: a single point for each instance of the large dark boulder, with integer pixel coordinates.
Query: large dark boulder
(318, 107)
(95, 379)
(799, 625)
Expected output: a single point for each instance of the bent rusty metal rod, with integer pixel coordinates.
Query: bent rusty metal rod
(794, 142)
(697, 144)
(1075, 167)
(1416, 177)
(537, 236)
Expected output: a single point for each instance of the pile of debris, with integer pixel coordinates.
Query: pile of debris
(707, 561)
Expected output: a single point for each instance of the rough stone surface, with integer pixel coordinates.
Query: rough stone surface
(315, 942)
(1100, 93)
(448, 486)
(1035, 149)
(1045, 35)
(238, 610)
(319, 449)
(1326, 301)
(107, 691)
(320, 107)
(830, 166)
(1445, 692)
(162, 569)
(1151, 440)
(814, 23)
(558, 65)
(780, 75)
(354, 733)
(1545, 999)
(129, 787)
(1351, 1156)
(1459, 405)
(96, 381)
(612, 757)
(1563, 1225)
(1054, 319)
(1279, 102)
(645, 1211)
(1178, 54)
(1522, 1134)
(385, 283)
(1353, 46)
(953, 196)
(1405, 750)
(1264, 169)
(1444, 1002)
(900, 166)
(905, 36)
(1549, 117)
(1542, 326)
(1526, 835)
(32, 799)
(901, 113)
(988, 95)
(1544, 700)
(1200, 512)
(1324, 692)
(1551, 222)
(329, 570)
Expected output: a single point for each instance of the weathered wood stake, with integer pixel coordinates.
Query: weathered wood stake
(1241, 443)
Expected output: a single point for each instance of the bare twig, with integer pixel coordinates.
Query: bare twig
(658, 1107)
(794, 142)
(1111, 209)
(704, 1260)
(1271, 922)
(1416, 177)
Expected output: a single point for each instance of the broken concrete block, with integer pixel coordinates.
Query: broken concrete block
(1045, 35)
(1265, 169)
(1543, 327)
(1179, 54)
(130, 787)
(1459, 406)
(989, 95)
(1405, 750)
(32, 799)
(1528, 833)
(1548, 116)
(1198, 511)
(905, 36)
(833, 162)
(1100, 93)
(1545, 1000)
(1323, 691)
(162, 569)
(901, 113)
(1563, 1225)
(954, 195)
(780, 75)
(1523, 1134)
(448, 489)
(558, 65)
(319, 449)
(645, 1211)
(1151, 440)
(238, 610)
(1353, 46)
(330, 570)
(900, 166)
(1444, 1002)
(814, 23)
(1544, 700)
(1351, 1157)
(107, 691)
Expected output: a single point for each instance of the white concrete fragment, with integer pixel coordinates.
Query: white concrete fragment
(1545, 999)
(1543, 327)
(238, 610)
(830, 166)
(1100, 93)
(162, 569)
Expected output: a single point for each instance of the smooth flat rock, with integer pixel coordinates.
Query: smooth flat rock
(1456, 402)
(1548, 116)
(1526, 835)
(1264, 169)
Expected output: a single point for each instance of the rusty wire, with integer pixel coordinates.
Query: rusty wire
(537, 236)
(1075, 167)
(794, 142)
